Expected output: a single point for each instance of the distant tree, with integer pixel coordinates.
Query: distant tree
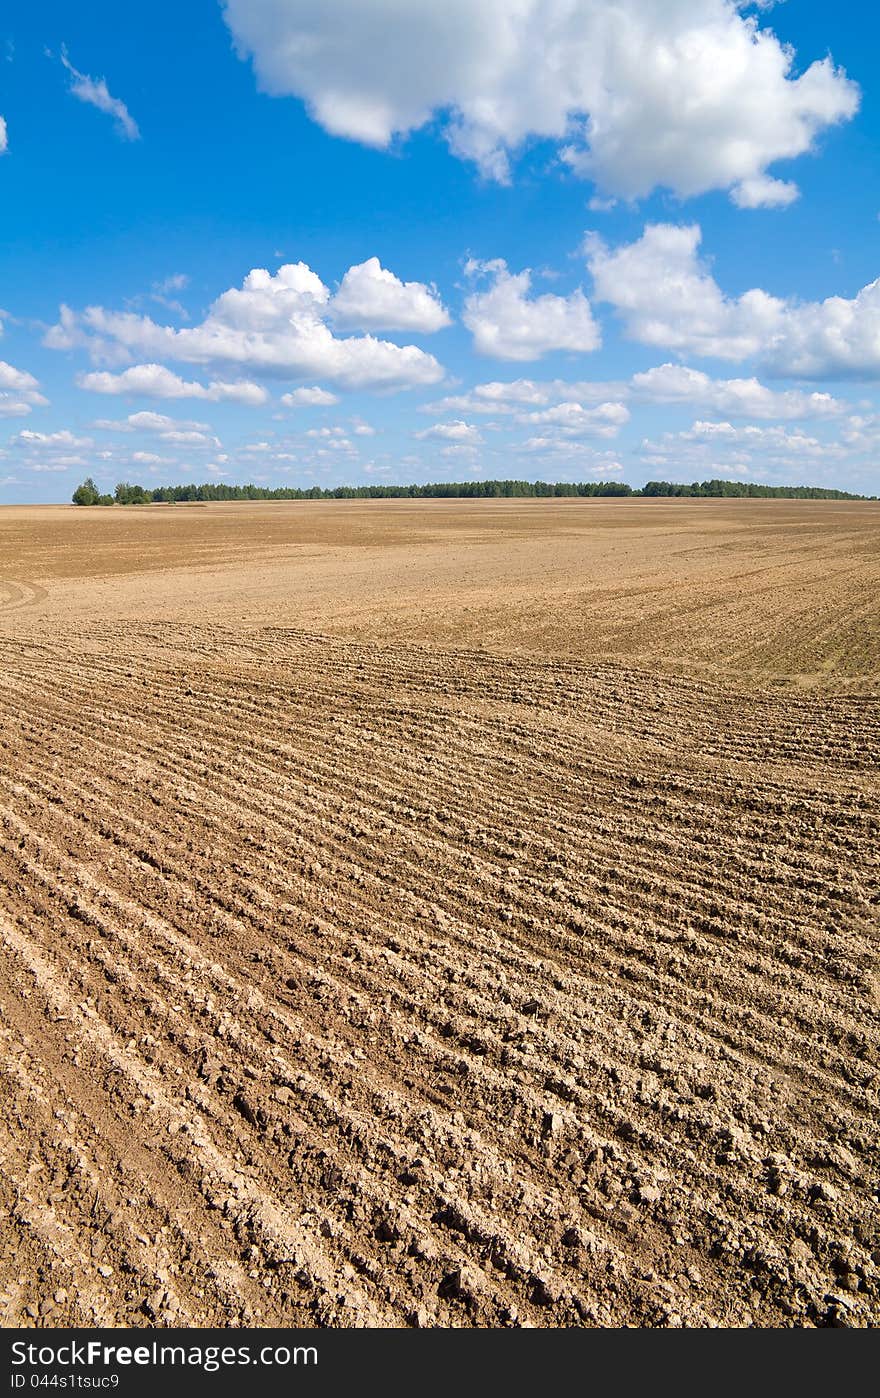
(132, 494)
(87, 493)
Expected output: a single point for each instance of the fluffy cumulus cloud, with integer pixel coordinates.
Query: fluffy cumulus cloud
(62, 438)
(673, 384)
(837, 337)
(372, 298)
(11, 405)
(724, 449)
(19, 391)
(461, 433)
(156, 381)
(574, 420)
(741, 398)
(148, 421)
(95, 92)
(764, 192)
(309, 398)
(47, 452)
(500, 398)
(666, 295)
(331, 439)
(861, 433)
(17, 379)
(689, 95)
(169, 429)
(508, 322)
(725, 434)
(273, 325)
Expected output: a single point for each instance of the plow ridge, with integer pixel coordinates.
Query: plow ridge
(347, 983)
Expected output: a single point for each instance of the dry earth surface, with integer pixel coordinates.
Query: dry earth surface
(440, 914)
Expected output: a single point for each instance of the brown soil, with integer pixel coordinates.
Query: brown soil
(443, 914)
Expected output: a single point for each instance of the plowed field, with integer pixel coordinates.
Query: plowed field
(440, 915)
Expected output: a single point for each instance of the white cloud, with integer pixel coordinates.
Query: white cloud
(146, 458)
(861, 433)
(461, 450)
(271, 324)
(688, 94)
(508, 323)
(155, 381)
(10, 406)
(495, 395)
(46, 452)
(178, 281)
(341, 444)
(169, 429)
(498, 398)
(675, 383)
(574, 420)
(466, 403)
(837, 337)
(96, 93)
(62, 438)
(19, 392)
(764, 192)
(332, 440)
(593, 404)
(779, 438)
(722, 449)
(189, 438)
(309, 398)
(372, 298)
(161, 293)
(459, 432)
(667, 296)
(4, 136)
(459, 403)
(17, 379)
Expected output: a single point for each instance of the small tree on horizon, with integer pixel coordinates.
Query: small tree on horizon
(87, 493)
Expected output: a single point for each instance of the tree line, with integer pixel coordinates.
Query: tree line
(127, 494)
(748, 490)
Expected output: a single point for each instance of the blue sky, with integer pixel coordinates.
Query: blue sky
(336, 241)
